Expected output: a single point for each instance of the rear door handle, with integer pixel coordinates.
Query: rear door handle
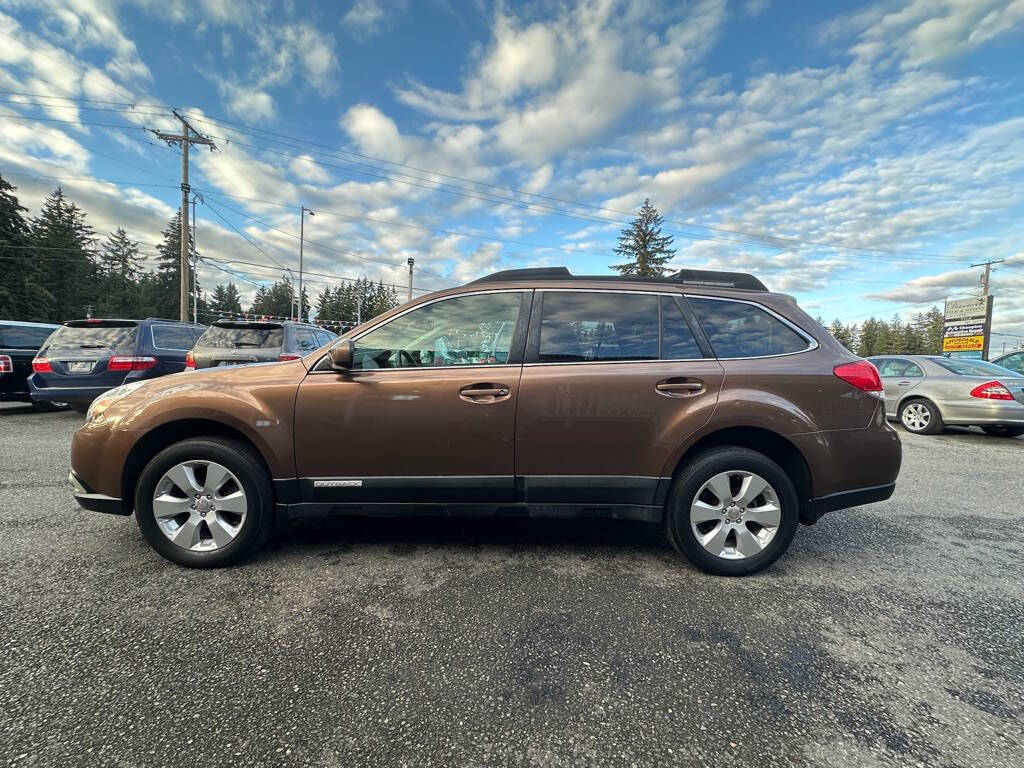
(676, 387)
(903, 384)
(483, 393)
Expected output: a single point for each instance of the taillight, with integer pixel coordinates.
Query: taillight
(6, 364)
(992, 390)
(190, 361)
(130, 363)
(288, 356)
(860, 374)
(42, 365)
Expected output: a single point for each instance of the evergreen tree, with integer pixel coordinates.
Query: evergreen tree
(643, 246)
(276, 301)
(119, 268)
(64, 242)
(226, 299)
(843, 334)
(20, 281)
(165, 301)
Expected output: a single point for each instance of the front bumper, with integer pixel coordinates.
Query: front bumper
(95, 502)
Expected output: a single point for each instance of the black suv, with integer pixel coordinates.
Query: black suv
(238, 342)
(19, 343)
(84, 358)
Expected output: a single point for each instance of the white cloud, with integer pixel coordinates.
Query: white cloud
(251, 104)
(307, 169)
(520, 59)
(368, 18)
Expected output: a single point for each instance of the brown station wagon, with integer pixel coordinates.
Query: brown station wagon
(700, 400)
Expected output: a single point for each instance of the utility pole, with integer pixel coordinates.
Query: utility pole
(411, 262)
(302, 237)
(184, 140)
(988, 273)
(195, 265)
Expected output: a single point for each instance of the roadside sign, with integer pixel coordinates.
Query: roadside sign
(966, 327)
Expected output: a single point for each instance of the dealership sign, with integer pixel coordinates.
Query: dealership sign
(966, 327)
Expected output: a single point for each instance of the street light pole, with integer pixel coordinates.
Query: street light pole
(302, 237)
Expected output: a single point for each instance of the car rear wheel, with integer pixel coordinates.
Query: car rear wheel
(1004, 431)
(920, 417)
(732, 512)
(205, 502)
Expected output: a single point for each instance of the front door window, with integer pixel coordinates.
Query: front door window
(463, 330)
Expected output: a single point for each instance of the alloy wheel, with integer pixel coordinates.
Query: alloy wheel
(916, 417)
(200, 505)
(735, 514)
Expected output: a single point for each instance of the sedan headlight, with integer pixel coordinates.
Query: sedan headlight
(108, 398)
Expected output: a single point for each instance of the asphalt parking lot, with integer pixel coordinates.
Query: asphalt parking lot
(889, 635)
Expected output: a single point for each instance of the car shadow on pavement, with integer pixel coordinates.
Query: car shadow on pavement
(405, 534)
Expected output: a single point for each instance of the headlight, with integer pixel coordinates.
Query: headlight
(108, 398)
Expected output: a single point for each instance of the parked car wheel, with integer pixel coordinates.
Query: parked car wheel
(41, 406)
(205, 502)
(732, 512)
(920, 417)
(1004, 431)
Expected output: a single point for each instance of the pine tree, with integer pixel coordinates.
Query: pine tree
(166, 302)
(19, 267)
(64, 242)
(226, 299)
(642, 244)
(119, 268)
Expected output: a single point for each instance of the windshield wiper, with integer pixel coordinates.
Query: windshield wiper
(92, 346)
(247, 344)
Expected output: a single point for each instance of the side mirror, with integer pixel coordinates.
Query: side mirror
(341, 355)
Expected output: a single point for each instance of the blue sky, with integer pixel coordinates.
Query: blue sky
(857, 155)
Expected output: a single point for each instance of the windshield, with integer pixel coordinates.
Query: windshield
(93, 337)
(227, 336)
(973, 367)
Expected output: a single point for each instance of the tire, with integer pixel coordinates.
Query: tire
(209, 538)
(689, 488)
(42, 406)
(79, 407)
(920, 417)
(1004, 431)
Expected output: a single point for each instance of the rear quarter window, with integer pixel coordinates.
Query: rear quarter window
(174, 337)
(737, 329)
(15, 337)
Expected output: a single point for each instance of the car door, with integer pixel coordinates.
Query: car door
(899, 376)
(427, 412)
(612, 383)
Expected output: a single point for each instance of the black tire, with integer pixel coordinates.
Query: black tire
(42, 406)
(934, 423)
(79, 407)
(690, 480)
(1003, 431)
(252, 475)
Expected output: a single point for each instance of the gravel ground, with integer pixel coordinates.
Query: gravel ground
(888, 635)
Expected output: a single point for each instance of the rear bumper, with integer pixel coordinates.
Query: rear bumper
(84, 395)
(1006, 412)
(95, 502)
(815, 508)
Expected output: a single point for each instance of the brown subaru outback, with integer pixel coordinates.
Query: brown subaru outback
(700, 400)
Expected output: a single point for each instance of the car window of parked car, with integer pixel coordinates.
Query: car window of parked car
(179, 338)
(462, 330)
(966, 367)
(23, 337)
(677, 340)
(896, 368)
(591, 326)
(254, 335)
(305, 339)
(93, 336)
(737, 329)
(1014, 362)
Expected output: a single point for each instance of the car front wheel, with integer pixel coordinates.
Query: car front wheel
(205, 502)
(732, 512)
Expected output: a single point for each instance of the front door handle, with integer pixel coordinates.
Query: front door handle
(678, 387)
(484, 393)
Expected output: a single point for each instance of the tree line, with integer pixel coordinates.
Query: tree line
(55, 267)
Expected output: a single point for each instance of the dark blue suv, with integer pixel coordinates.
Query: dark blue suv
(84, 358)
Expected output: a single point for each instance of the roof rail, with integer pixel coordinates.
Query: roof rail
(710, 278)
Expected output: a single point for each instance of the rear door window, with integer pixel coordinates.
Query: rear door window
(180, 338)
(591, 326)
(305, 340)
(677, 340)
(737, 329)
(93, 337)
(897, 368)
(255, 335)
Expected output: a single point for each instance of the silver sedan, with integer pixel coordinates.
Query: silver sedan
(927, 392)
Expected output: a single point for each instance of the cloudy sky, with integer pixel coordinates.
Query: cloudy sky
(858, 155)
